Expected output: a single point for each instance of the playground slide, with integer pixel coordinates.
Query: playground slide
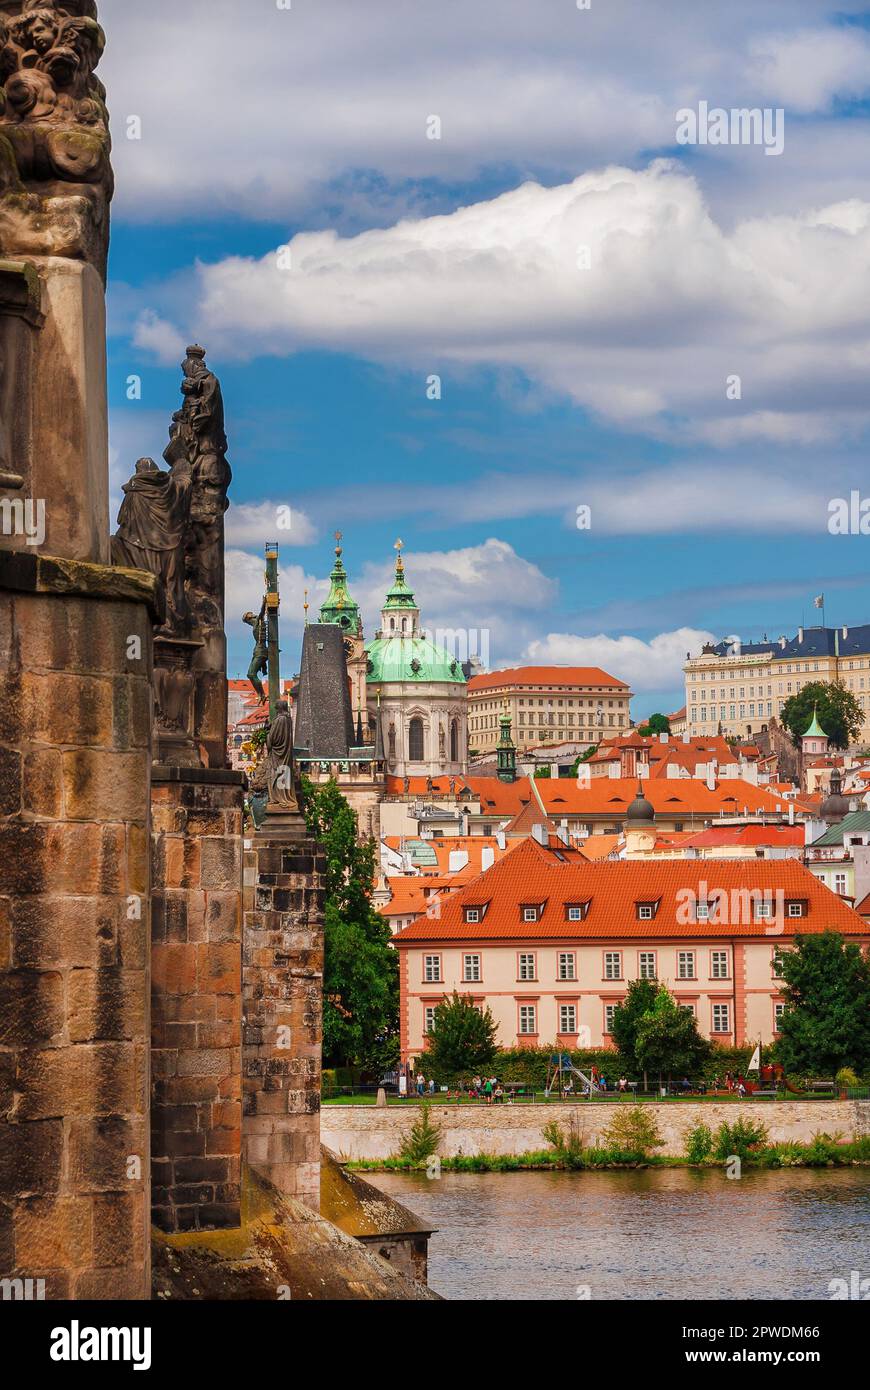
(584, 1078)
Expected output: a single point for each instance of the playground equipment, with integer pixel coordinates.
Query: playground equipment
(559, 1063)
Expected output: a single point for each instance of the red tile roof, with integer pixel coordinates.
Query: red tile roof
(571, 677)
(758, 835)
(530, 874)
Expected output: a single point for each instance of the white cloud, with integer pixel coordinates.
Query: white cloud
(156, 335)
(646, 666)
(244, 593)
(804, 71)
(672, 307)
(262, 112)
(256, 523)
(487, 595)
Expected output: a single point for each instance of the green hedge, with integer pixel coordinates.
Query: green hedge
(528, 1065)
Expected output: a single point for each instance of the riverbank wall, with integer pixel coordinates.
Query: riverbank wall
(358, 1131)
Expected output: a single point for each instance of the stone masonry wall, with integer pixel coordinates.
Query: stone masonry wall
(196, 970)
(282, 982)
(75, 758)
(357, 1131)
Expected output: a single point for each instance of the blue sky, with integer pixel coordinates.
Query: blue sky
(561, 385)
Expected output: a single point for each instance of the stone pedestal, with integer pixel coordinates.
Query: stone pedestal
(75, 764)
(69, 466)
(283, 1014)
(196, 978)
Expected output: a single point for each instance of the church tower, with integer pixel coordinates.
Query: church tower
(506, 749)
(400, 616)
(340, 609)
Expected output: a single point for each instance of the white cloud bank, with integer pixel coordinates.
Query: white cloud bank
(650, 337)
(647, 666)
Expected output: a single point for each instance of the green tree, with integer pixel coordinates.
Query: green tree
(462, 1038)
(656, 724)
(826, 1021)
(668, 1040)
(360, 974)
(639, 1000)
(836, 709)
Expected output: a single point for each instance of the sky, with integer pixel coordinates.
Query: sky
(465, 283)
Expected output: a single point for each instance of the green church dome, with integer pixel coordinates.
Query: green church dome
(411, 659)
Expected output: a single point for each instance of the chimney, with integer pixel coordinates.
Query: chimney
(845, 633)
(791, 813)
(782, 643)
(540, 833)
(800, 635)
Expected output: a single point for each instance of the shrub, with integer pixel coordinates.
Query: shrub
(422, 1140)
(634, 1130)
(566, 1140)
(740, 1138)
(699, 1143)
(847, 1078)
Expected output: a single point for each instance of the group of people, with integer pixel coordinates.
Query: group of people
(421, 1085)
(487, 1088)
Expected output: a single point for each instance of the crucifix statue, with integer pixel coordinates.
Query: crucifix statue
(278, 773)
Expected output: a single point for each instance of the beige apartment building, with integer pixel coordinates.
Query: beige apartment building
(742, 687)
(547, 704)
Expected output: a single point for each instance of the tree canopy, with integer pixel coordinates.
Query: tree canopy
(360, 976)
(462, 1039)
(668, 1040)
(639, 1000)
(656, 724)
(836, 708)
(826, 1021)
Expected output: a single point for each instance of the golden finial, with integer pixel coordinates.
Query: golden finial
(399, 547)
(306, 606)
(338, 540)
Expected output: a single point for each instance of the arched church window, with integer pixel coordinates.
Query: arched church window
(404, 625)
(415, 741)
(392, 625)
(454, 741)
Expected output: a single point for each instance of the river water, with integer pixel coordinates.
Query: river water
(642, 1234)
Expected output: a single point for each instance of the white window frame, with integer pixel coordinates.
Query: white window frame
(527, 962)
(568, 1014)
(687, 965)
(528, 1014)
(472, 975)
(432, 970)
(645, 960)
(567, 965)
(613, 965)
(472, 914)
(722, 1010)
(719, 965)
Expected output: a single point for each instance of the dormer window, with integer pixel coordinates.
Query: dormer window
(702, 912)
(531, 914)
(472, 914)
(576, 912)
(646, 911)
(796, 909)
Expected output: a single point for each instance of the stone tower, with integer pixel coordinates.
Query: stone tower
(76, 656)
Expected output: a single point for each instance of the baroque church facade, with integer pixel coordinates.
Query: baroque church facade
(408, 695)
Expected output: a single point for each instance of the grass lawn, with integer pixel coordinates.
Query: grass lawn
(540, 1099)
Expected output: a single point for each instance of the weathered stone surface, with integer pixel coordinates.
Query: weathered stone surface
(517, 1129)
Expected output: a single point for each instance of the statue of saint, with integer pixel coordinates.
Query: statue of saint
(260, 661)
(152, 525)
(280, 773)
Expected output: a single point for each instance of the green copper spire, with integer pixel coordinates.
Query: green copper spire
(400, 596)
(815, 730)
(506, 749)
(339, 607)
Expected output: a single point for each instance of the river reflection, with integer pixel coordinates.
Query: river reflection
(654, 1234)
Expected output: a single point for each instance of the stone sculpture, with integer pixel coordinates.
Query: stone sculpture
(172, 523)
(280, 778)
(260, 660)
(54, 132)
